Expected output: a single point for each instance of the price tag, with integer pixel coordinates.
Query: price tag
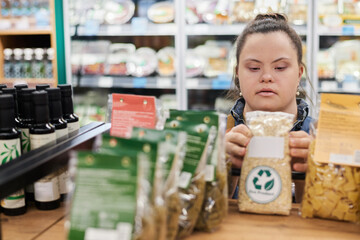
(348, 30)
(91, 28)
(164, 83)
(105, 82)
(139, 82)
(192, 83)
(350, 86)
(221, 84)
(139, 25)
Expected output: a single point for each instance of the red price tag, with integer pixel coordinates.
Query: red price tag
(130, 111)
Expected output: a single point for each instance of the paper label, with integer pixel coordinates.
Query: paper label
(47, 191)
(209, 173)
(61, 134)
(9, 150)
(132, 111)
(16, 200)
(266, 147)
(25, 140)
(338, 132)
(64, 181)
(73, 126)
(39, 140)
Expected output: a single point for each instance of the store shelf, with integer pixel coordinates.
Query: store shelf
(42, 161)
(34, 31)
(30, 81)
(126, 82)
(221, 83)
(231, 29)
(347, 30)
(145, 29)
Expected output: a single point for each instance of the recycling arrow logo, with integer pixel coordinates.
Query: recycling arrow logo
(263, 184)
(268, 185)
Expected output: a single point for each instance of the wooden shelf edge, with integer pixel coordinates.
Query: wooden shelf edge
(45, 31)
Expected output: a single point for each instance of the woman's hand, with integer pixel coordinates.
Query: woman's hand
(236, 141)
(299, 142)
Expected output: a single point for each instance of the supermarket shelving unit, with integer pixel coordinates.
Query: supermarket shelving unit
(48, 37)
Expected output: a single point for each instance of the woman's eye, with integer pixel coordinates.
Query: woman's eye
(280, 68)
(254, 68)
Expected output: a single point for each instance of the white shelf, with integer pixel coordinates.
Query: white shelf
(347, 30)
(99, 81)
(232, 29)
(208, 83)
(149, 29)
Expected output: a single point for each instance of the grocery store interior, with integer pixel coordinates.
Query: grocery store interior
(183, 53)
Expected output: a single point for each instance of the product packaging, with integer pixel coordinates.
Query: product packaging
(332, 184)
(192, 177)
(265, 181)
(118, 203)
(117, 59)
(156, 152)
(174, 144)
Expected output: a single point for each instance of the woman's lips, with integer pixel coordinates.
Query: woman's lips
(266, 92)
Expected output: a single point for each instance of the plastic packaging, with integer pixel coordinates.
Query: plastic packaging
(161, 12)
(265, 181)
(143, 63)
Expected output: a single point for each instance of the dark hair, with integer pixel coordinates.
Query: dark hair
(264, 23)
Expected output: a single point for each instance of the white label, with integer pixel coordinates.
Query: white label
(105, 82)
(341, 159)
(39, 140)
(16, 200)
(263, 184)
(47, 191)
(192, 83)
(266, 147)
(64, 179)
(350, 86)
(163, 82)
(9, 150)
(124, 231)
(25, 140)
(209, 173)
(61, 134)
(100, 234)
(74, 126)
(184, 179)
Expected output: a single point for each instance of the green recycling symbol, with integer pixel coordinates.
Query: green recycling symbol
(268, 185)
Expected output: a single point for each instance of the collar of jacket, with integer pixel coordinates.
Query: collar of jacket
(302, 108)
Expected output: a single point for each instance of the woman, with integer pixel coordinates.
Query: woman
(267, 76)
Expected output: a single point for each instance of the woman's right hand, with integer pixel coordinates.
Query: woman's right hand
(236, 141)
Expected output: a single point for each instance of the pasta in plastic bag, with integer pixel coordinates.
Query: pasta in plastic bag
(265, 181)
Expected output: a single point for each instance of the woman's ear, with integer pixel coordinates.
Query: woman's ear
(301, 71)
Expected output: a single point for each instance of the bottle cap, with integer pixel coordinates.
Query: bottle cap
(7, 113)
(55, 106)
(25, 103)
(40, 106)
(42, 86)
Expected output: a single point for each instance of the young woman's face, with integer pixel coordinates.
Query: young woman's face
(269, 72)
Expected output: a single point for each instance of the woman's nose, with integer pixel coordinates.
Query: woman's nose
(267, 77)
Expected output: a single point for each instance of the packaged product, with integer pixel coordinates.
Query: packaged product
(118, 12)
(94, 56)
(132, 111)
(242, 11)
(195, 63)
(192, 177)
(265, 181)
(116, 61)
(166, 61)
(162, 12)
(118, 203)
(156, 152)
(142, 63)
(332, 184)
(174, 145)
(297, 11)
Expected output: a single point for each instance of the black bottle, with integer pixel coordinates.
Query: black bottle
(10, 148)
(12, 91)
(61, 130)
(24, 124)
(40, 87)
(68, 109)
(2, 86)
(42, 133)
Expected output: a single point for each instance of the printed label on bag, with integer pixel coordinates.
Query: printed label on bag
(266, 147)
(25, 140)
(16, 200)
(46, 191)
(263, 184)
(39, 140)
(9, 150)
(338, 143)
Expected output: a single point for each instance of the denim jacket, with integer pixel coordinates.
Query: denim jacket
(302, 122)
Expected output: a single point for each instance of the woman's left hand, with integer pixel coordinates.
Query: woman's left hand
(299, 142)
